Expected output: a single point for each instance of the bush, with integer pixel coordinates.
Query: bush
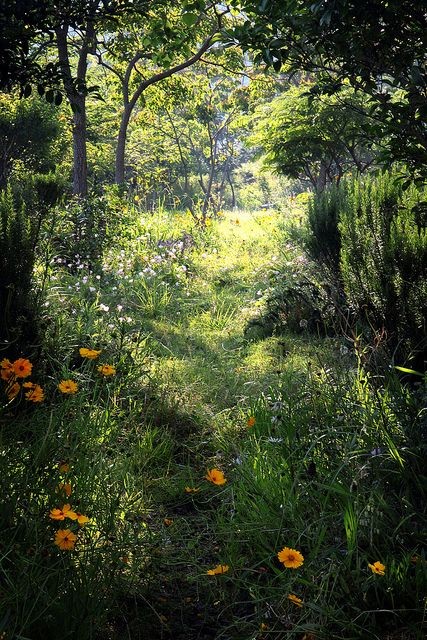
(383, 259)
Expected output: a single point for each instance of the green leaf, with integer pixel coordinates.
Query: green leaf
(189, 19)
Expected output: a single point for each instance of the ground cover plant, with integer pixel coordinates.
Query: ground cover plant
(177, 476)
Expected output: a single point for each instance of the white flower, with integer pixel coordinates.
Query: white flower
(104, 307)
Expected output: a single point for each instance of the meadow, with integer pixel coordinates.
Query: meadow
(173, 467)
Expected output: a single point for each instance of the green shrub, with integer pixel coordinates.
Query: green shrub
(384, 259)
(17, 247)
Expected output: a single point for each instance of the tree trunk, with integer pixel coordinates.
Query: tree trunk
(79, 146)
(121, 145)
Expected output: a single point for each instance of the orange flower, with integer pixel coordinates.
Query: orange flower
(81, 519)
(107, 370)
(22, 368)
(35, 394)
(61, 514)
(167, 522)
(13, 390)
(377, 568)
(191, 489)
(293, 598)
(64, 467)
(215, 476)
(65, 487)
(90, 354)
(291, 559)
(7, 371)
(68, 387)
(218, 570)
(65, 539)
(251, 421)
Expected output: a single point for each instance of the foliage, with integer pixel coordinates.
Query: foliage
(29, 136)
(317, 141)
(17, 256)
(379, 46)
(384, 258)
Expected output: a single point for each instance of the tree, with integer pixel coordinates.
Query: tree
(378, 46)
(143, 54)
(318, 140)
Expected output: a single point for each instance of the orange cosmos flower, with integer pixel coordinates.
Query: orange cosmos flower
(7, 371)
(65, 487)
(61, 514)
(291, 559)
(218, 570)
(90, 354)
(13, 390)
(81, 519)
(107, 370)
(64, 467)
(251, 421)
(35, 394)
(65, 539)
(293, 598)
(68, 387)
(377, 568)
(22, 368)
(215, 476)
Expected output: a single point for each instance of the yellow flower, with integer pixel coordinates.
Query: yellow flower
(61, 514)
(293, 598)
(13, 390)
(65, 539)
(90, 354)
(291, 559)
(218, 570)
(7, 371)
(35, 394)
(251, 421)
(68, 387)
(215, 476)
(107, 370)
(22, 368)
(191, 489)
(81, 519)
(65, 487)
(377, 568)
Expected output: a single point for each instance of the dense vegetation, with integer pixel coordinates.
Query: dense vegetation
(213, 285)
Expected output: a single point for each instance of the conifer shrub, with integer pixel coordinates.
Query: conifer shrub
(383, 259)
(17, 244)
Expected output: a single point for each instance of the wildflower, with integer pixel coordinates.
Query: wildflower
(167, 522)
(263, 626)
(90, 354)
(218, 570)
(293, 598)
(35, 394)
(61, 514)
(64, 467)
(13, 390)
(191, 489)
(377, 568)
(7, 371)
(251, 421)
(22, 368)
(65, 487)
(215, 476)
(81, 519)
(65, 539)
(107, 370)
(67, 387)
(291, 558)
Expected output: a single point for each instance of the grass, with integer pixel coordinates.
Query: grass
(331, 466)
